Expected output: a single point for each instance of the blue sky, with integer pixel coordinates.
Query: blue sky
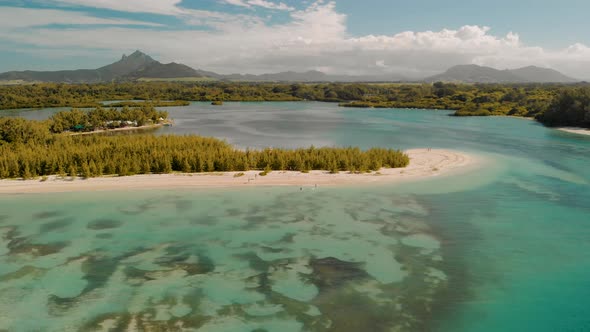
(546, 23)
(403, 38)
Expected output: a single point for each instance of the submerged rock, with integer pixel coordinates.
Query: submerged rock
(47, 214)
(21, 246)
(23, 272)
(332, 272)
(56, 225)
(104, 224)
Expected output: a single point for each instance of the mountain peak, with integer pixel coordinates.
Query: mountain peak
(127, 64)
(136, 55)
(134, 65)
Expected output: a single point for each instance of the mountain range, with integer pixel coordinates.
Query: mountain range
(135, 66)
(479, 74)
(140, 66)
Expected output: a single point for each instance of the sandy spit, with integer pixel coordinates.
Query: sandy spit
(424, 164)
(575, 130)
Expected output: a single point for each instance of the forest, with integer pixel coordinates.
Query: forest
(570, 108)
(552, 104)
(29, 149)
(105, 118)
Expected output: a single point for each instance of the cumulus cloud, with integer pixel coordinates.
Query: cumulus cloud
(314, 37)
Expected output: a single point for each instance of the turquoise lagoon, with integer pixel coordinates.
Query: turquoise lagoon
(505, 247)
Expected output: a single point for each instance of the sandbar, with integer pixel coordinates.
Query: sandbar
(424, 163)
(575, 130)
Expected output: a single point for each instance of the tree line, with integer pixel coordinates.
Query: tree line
(570, 108)
(528, 100)
(28, 149)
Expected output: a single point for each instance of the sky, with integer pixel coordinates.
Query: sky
(356, 37)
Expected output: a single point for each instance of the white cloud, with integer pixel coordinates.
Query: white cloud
(15, 17)
(259, 3)
(314, 37)
(164, 7)
(270, 5)
(240, 3)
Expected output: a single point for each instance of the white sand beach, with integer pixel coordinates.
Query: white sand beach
(424, 163)
(575, 130)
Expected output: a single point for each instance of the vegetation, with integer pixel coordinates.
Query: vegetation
(28, 150)
(530, 100)
(570, 108)
(552, 105)
(467, 100)
(151, 103)
(103, 118)
(176, 79)
(90, 95)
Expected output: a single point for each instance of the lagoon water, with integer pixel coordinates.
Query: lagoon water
(502, 248)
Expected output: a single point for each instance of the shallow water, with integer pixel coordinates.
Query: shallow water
(506, 247)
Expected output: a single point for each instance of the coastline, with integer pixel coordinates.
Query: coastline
(575, 130)
(423, 164)
(157, 125)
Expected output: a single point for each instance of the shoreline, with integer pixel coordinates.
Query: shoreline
(101, 131)
(423, 164)
(575, 130)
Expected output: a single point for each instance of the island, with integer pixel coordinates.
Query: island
(49, 154)
(78, 122)
(423, 163)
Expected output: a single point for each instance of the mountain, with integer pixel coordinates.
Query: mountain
(160, 70)
(136, 65)
(127, 65)
(288, 76)
(308, 76)
(479, 74)
(542, 75)
(70, 76)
